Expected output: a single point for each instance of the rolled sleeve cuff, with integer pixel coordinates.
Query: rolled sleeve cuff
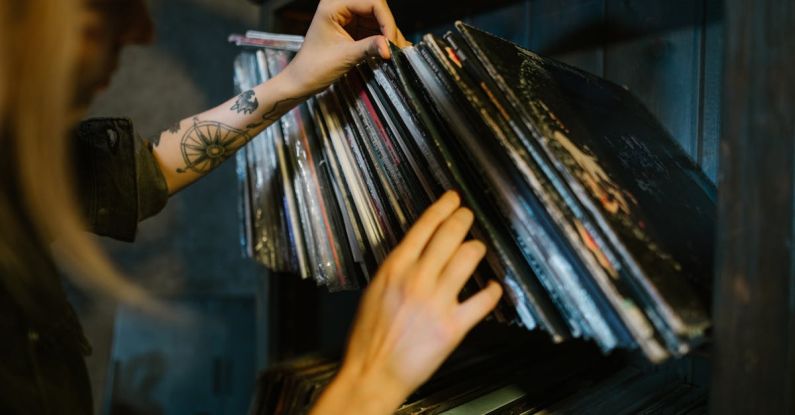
(118, 178)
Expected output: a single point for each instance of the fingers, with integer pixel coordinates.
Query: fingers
(418, 236)
(477, 307)
(460, 267)
(385, 19)
(371, 46)
(378, 9)
(445, 241)
(402, 42)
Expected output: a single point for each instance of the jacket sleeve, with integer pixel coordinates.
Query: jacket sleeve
(118, 181)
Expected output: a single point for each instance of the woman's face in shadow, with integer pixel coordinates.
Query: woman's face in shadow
(106, 27)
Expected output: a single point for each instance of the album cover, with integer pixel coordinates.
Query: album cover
(382, 161)
(347, 225)
(406, 129)
(369, 234)
(533, 304)
(345, 236)
(388, 211)
(646, 195)
(532, 231)
(368, 198)
(277, 61)
(572, 223)
(575, 280)
(414, 180)
(273, 211)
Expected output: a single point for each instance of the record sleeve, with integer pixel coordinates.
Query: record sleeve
(274, 213)
(521, 282)
(533, 233)
(413, 180)
(381, 159)
(346, 226)
(570, 218)
(646, 195)
(386, 93)
(277, 61)
(560, 219)
(389, 212)
(366, 211)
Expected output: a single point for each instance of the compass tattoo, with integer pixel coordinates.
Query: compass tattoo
(207, 144)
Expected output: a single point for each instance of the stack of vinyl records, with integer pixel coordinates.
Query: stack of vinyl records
(596, 222)
(502, 381)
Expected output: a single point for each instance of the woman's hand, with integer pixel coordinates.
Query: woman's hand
(410, 318)
(342, 34)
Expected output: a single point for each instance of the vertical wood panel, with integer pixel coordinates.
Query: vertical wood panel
(657, 55)
(564, 29)
(712, 76)
(754, 309)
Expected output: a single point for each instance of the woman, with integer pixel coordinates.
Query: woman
(409, 319)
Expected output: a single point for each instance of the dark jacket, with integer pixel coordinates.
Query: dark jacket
(42, 370)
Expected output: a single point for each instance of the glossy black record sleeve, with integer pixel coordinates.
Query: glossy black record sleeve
(649, 198)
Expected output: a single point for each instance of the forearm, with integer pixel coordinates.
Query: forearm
(196, 145)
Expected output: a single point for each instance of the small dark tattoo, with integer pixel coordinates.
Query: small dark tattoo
(207, 144)
(277, 110)
(246, 103)
(155, 140)
(175, 128)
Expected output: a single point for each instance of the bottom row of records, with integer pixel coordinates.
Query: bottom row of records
(504, 380)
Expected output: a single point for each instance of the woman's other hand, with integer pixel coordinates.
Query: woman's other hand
(342, 34)
(410, 318)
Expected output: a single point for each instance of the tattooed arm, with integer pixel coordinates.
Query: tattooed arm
(195, 146)
(342, 33)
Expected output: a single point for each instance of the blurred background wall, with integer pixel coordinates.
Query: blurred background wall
(189, 253)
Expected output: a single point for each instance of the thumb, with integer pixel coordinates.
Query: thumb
(370, 47)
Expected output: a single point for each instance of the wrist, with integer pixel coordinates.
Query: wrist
(293, 83)
(354, 391)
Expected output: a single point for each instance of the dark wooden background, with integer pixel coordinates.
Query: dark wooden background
(754, 305)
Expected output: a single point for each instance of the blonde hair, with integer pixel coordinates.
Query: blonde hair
(38, 44)
(3, 62)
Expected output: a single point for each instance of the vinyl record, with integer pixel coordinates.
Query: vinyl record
(520, 281)
(532, 231)
(277, 61)
(647, 197)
